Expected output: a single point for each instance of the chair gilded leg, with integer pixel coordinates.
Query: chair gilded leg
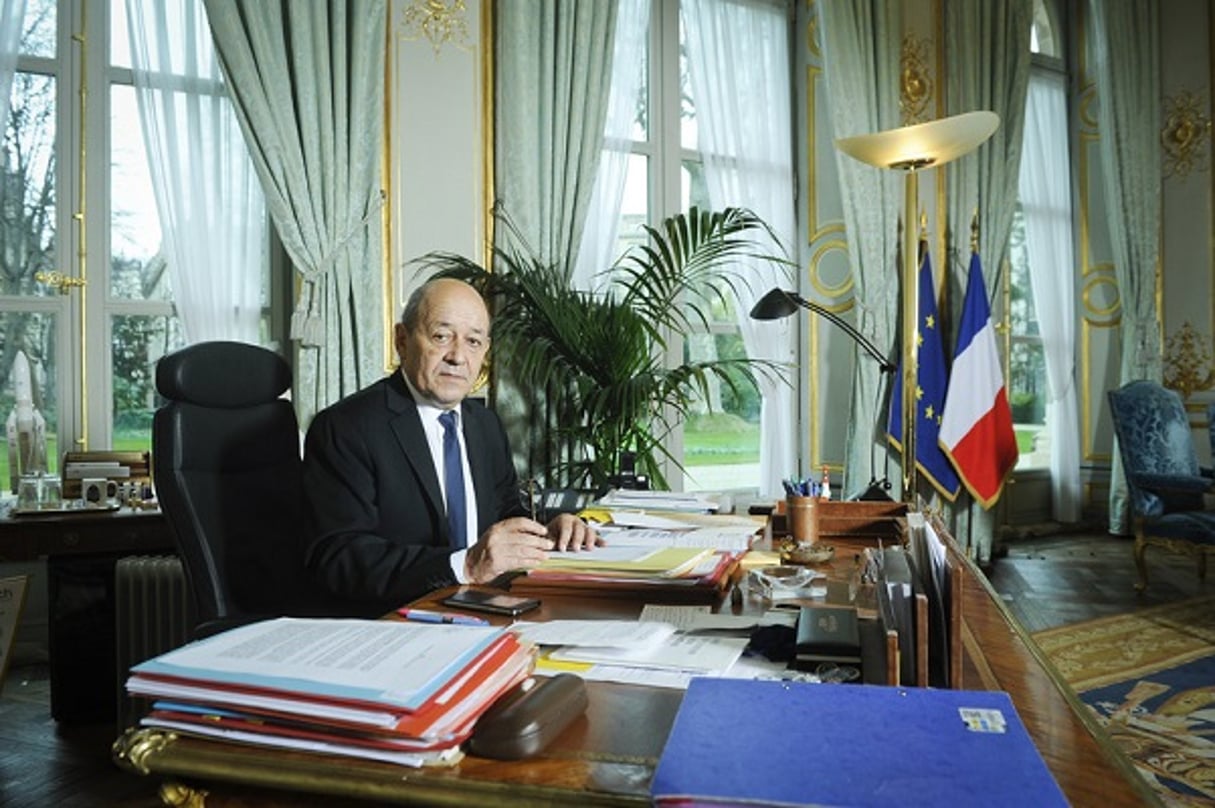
(1140, 552)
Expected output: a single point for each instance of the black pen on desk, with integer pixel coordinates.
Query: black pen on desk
(422, 616)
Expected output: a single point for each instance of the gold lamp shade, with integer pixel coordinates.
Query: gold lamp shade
(923, 144)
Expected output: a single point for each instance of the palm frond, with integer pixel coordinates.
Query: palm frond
(602, 356)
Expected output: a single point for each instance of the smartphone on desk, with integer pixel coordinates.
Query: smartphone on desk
(476, 600)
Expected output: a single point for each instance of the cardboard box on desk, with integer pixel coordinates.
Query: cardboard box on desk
(854, 519)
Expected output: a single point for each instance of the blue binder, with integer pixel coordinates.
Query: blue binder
(745, 742)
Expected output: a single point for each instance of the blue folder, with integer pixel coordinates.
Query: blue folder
(746, 742)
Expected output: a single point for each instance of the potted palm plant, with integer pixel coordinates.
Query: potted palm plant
(599, 360)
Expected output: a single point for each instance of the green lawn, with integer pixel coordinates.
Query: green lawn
(710, 446)
(706, 447)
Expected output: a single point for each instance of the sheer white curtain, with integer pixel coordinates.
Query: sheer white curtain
(1126, 61)
(12, 15)
(595, 252)
(1046, 204)
(212, 211)
(738, 65)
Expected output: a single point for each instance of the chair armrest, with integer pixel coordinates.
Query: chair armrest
(1173, 483)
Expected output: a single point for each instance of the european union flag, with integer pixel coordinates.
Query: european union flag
(932, 380)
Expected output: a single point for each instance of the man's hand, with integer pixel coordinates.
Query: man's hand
(512, 544)
(568, 532)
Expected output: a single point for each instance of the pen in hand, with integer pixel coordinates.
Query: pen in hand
(422, 616)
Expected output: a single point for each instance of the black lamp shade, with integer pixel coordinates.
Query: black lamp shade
(775, 305)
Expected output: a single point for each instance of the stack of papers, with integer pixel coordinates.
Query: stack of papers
(650, 567)
(667, 647)
(406, 693)
(660, 501)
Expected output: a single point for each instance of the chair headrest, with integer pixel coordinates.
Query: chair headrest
(220, 374)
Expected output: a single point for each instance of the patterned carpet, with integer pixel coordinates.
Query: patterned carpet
(1149, 677)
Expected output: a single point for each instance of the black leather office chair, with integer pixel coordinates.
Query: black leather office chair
(227, 467)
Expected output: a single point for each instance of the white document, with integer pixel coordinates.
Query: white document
(641, 519)
(746, 667)
(660, 501)
(702, 618)
(391, 662)
(733, 538)
(681, 651)
(447, 756)
(601, 633)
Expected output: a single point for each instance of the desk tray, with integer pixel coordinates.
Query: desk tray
(66, 509)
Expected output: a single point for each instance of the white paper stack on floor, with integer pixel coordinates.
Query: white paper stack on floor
(407, 693)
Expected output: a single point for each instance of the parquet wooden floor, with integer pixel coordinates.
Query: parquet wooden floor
(1045, 581)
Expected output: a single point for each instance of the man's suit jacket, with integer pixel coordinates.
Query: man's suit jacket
(380, 527)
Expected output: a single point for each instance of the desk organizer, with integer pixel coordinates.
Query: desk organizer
(855, 519)
(137, 465)
(882, 520)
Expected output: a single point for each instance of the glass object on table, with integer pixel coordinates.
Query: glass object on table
(50, 498)
(29, 492)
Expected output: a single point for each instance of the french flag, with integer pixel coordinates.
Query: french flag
(976, 425)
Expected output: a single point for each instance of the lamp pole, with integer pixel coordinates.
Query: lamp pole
(911, 317)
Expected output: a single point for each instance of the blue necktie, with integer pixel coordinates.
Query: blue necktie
(453, 480)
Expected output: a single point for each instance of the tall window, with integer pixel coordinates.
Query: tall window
(1028, 390)
(86, 303)
(719, 445)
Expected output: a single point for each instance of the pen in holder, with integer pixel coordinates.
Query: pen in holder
(802, 513)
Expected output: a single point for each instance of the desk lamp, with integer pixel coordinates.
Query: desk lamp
(911, 149)
(780, 303)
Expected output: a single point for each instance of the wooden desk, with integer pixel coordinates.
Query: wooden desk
(81, 550)
(608, 756)
(125, 531)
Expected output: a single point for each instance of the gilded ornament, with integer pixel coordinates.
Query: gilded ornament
(915, 85)
(1187, 362)
(59, 280)
(179, 795)
(133, 748)
(1184, 134)
(438, 21)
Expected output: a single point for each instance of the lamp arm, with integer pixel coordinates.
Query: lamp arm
(871, 349)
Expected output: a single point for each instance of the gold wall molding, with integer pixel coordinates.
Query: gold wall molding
(813, 44)
(1184, 134)
(916, 86)
(836, 292)
(1187, 361)
(437, 21)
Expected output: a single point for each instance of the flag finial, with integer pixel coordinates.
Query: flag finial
(974, 232)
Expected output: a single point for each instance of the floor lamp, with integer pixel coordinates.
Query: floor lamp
(911, 149)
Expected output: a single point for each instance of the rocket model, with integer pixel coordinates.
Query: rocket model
(26, 426)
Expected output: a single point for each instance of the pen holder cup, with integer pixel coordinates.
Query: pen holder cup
(802, 513)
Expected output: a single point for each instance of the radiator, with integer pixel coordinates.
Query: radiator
(154, 614)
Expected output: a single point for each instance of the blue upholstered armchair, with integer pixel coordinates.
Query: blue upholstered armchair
(1165, 482)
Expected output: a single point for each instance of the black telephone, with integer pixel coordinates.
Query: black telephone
(553, 501)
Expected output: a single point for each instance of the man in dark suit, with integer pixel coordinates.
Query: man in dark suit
(381, 468)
